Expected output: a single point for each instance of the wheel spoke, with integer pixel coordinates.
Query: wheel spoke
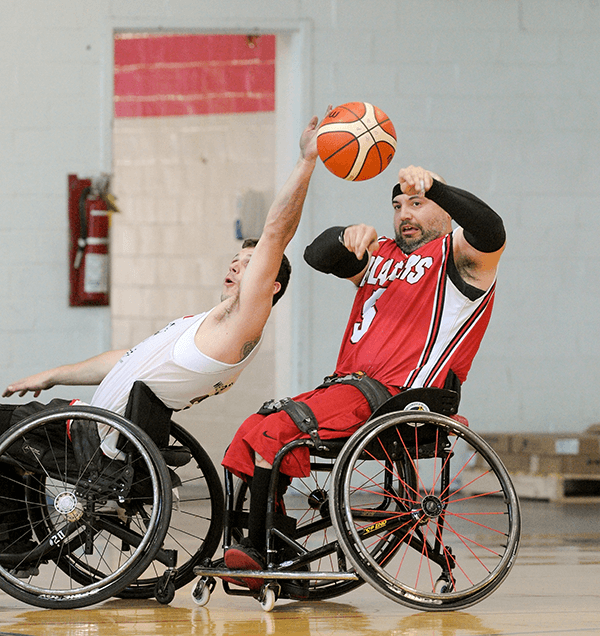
(430, 517)
(80, 556)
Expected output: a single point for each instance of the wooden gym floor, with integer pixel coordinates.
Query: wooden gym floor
(553, 589)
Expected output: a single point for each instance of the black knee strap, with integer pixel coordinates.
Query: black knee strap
(299, 412)
(374, 391)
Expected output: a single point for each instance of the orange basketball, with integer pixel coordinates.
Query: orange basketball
(356, 141)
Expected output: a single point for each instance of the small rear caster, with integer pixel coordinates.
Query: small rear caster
(443, 585)
(164, 590)
(165, 594)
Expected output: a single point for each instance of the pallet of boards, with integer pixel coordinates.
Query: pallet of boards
(561, 466)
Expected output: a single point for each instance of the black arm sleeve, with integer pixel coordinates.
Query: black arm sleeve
(483, 228)
(327, 254)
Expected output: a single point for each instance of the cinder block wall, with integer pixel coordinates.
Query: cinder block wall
(178, 180)
(500, 97)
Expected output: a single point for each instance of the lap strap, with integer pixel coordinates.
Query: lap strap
(301, 414)
(374, 391)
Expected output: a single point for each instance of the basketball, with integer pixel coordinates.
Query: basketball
(356, 141)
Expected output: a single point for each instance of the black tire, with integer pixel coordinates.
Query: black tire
(196, 519)
(82, 521)
(444, 534)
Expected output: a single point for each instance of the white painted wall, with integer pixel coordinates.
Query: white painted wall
(500, 96)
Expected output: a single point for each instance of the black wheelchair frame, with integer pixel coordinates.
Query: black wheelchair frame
(414, 503)
(389, 507)
(133, 527)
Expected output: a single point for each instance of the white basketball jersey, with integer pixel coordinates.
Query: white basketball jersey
(171, 365)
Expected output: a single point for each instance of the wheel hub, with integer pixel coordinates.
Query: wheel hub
(317, 498)
(432, 506)
(66, 504)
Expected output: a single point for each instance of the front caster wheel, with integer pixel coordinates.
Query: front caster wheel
(268, 597)
(201, 593)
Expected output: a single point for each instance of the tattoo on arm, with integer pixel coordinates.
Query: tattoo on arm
(248, 347)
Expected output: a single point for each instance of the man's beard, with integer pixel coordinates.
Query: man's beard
(409, 245)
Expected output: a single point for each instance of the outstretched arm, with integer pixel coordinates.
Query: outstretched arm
(237, 324)
(88, 372)
(280, 226)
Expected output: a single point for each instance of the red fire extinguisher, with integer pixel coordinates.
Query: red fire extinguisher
(89, 221)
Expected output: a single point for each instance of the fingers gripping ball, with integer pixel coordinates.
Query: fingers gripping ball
(356, 141)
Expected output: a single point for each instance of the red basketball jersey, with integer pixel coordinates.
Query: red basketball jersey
(410, 324)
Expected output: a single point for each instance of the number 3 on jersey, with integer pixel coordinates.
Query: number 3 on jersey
(368, 314)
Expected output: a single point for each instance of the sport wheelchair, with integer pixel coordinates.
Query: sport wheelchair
(89, 527)
(414, 503)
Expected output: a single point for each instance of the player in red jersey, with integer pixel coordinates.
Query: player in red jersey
(422, 306)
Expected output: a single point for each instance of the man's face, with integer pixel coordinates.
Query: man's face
(231, 284)
(418, 220)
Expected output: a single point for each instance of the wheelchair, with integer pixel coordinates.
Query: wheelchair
(414, 503)
(132, 526)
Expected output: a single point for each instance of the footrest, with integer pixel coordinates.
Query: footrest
(276, 574)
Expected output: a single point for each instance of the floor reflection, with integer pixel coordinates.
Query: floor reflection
(551, 589)
(148, 617)
(445, 624)
(111, 618)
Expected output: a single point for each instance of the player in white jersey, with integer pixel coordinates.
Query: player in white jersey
(193, 357)
(225, 336)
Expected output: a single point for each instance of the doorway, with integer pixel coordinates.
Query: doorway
(194, 131)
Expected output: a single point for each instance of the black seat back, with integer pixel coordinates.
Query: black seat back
(442, 401)
(149, 413)
(406, 437)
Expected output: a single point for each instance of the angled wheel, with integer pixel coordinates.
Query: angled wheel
(196, 519)
(91, 530)
(425, 511)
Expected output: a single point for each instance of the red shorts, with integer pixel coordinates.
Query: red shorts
(340, 409)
